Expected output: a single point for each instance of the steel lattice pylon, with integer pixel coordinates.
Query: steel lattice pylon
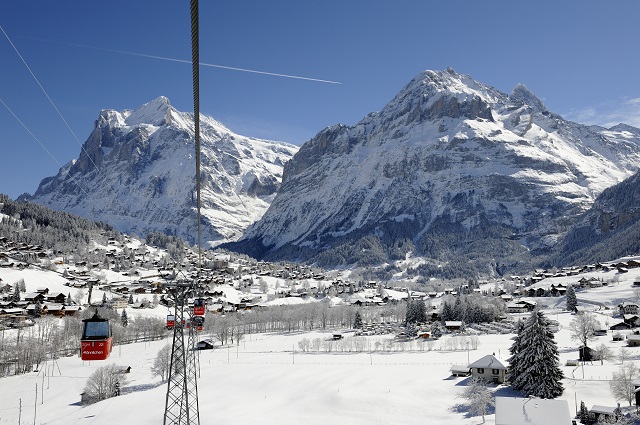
(182, 390)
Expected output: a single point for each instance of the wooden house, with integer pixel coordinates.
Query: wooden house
(604, 414)
(633, 340)
(628, 307)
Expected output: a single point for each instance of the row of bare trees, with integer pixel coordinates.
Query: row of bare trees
(25, 348)
(295, 318)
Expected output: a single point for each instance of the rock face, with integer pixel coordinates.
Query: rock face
(450, 169)
(136, 171)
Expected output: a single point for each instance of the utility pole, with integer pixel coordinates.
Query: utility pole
(35, 406)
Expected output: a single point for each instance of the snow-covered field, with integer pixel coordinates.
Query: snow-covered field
(267, 380)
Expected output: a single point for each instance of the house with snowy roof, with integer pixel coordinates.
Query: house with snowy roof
(531, 411)
(628, 307)
(489, 368)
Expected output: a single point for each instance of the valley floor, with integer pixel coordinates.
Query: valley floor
(264, 381)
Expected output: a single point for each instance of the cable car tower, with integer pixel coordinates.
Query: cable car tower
(182, 389)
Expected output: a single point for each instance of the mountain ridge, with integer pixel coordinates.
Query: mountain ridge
(446, 163)
(136, 171)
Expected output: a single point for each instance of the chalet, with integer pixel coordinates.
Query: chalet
(605, 414)
(56, 297)
(453, 325)
(531, 411)
(117, 303)
(586, 354)
(517, 307)
(31, 310)
(628, 307)
(620, 326)
(633, 340)
(42, 290)
(34, 297)
(631, 319)
(71, 310)
(206, 344)
(489, 368)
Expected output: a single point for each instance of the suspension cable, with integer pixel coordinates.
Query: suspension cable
(195, 62)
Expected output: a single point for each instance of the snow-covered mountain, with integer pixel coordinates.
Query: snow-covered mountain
(137, 172)
(449, 169)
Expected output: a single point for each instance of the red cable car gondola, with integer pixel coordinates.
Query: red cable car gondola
(198, 321)
(199, 305)
(96, 340)
(171, 321)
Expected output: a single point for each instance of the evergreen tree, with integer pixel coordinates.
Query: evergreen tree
(16, 293)
(68, 300)
(515, 368)
(104, 298)
(416, 311)
(130, 298)
(436, 332)
(537, 360)
(583, 413)
(447, 312)
(124, 319)
(357, 321)
(37, 309)
(572, 301)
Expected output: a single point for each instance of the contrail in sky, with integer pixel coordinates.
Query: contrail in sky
(188, 61)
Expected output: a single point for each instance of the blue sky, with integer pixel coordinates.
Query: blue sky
(579, 56)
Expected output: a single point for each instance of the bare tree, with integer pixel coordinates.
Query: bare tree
(104, 383)
(582, 328)
(603, 352)
(162, 363)
(621, 384)
(478, 397)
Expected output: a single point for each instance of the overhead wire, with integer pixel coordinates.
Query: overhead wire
(73, 179)
(211, 65)
(47, 95)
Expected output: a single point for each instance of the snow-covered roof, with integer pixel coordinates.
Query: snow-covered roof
(488, 362)
(531, 411)
(607, 410)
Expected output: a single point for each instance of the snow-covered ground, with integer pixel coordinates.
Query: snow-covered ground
(267, 380)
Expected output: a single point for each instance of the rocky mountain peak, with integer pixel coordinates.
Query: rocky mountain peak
(156, 113)
(136, 171)
(521, 94)
(450, 170)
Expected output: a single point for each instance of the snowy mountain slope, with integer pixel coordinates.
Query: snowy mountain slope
(137, 172)
(609, 229)
(449, 167)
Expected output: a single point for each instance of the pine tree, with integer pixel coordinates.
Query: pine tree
(572, 301)
(69, 302)
(357, 321)
(16, 293)
(436, 332)
(37, 309)
(104, 298)
(537, 360)
(514, 364)
(124, 319)
(583, 414)
(130, 298)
